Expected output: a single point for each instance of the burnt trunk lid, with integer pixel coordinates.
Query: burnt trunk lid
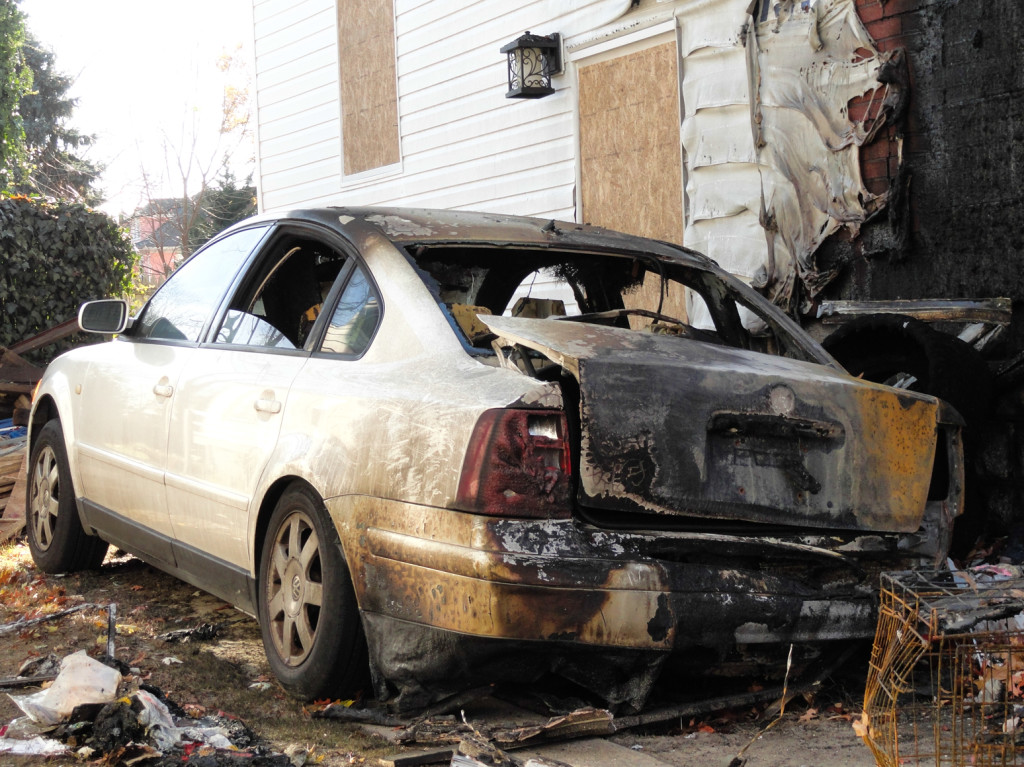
(686, 428)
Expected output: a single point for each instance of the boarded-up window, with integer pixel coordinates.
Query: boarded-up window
(630, 161)
(369, 93)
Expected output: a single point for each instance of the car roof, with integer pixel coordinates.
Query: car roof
(429, 226)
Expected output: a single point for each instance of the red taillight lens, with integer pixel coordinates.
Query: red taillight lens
(517, 465)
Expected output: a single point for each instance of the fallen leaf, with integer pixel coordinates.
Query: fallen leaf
(862, 726)
(808, 715)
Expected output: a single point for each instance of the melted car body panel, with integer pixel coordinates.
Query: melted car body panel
(677, 426)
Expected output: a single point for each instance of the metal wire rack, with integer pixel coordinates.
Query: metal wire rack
(945, 684)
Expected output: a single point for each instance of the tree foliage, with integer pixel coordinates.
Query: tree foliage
(225, 203)
(210, 199)
(39, 150)
(53, 257)
(53, 147)
(15, 81)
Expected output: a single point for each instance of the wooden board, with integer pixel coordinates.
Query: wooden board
(369, 88)
(13, 519)
(631, 174)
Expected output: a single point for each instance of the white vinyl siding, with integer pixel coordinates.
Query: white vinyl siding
(463, 144)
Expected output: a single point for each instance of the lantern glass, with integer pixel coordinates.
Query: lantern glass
(532, 59)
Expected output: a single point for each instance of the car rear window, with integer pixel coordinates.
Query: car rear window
(635, 291)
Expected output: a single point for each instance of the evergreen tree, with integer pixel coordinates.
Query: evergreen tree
(224, 203)
(54, 167)
(15, 81)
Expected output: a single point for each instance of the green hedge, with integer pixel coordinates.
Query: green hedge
(53, 257)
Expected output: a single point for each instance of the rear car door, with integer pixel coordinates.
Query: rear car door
(128, 395)
(227, 417)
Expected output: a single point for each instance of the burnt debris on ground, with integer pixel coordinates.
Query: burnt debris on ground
(94, 712)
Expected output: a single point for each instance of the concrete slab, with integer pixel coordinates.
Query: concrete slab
(593, 752)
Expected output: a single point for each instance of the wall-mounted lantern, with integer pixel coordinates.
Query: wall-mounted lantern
(532, 60)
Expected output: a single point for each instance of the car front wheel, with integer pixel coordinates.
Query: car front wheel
(56, 539)
(310, 622)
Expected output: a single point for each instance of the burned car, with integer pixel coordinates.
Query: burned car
(451, 448)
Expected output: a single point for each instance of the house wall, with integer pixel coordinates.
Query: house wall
(815, 182)
(958, 228)
(463, 144)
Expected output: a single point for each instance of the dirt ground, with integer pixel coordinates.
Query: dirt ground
(229, 674)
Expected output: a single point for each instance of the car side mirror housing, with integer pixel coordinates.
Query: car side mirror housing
(107, 316)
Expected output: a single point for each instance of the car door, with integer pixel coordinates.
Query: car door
(227, 416)
(128, 393)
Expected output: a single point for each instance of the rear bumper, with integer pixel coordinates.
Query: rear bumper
(565, 581)
(452, 600)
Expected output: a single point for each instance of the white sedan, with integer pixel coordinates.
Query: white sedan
(441, 449)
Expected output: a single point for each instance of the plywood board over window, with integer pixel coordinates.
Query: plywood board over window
(630, 161)
(369, 91)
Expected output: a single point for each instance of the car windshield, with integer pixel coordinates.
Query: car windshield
(627, 290)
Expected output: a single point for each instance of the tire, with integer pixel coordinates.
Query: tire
(56, 539)
(312, 632)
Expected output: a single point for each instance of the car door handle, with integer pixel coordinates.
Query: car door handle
(163, 388)
(268, 406)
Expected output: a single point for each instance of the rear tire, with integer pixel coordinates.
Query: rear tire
(56, 538)
(309, 618)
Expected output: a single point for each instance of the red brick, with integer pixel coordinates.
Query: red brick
(876, 150)
(870, 11)
(885, 28)
(900, 7)
(875, 169)
(877, 185)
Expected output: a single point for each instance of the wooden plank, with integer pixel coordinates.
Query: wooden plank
(12, 463)
(14, 513)
(47, 337)
(418, 757)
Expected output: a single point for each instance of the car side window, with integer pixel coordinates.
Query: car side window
(355, 317)
(278, 305)
(181, 307)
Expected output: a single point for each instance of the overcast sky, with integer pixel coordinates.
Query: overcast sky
(143, 70)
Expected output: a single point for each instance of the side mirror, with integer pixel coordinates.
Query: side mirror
(108, 316)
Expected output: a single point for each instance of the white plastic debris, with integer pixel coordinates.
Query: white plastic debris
(211, 736)
(170, 660)
(81, 680)
(156, 718)
(36, 746)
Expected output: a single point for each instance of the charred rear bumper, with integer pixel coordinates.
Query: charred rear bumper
(445, 593)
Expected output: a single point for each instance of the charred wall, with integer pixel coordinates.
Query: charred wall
(955, 225)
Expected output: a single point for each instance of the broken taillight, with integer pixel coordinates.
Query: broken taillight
(517, 465)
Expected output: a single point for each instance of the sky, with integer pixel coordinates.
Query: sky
(145, 74)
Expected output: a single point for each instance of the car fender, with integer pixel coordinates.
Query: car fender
(57, 386)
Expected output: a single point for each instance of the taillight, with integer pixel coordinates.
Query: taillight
(517, 465)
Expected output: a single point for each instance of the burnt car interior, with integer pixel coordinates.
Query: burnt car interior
(600, 288)
(279, 304)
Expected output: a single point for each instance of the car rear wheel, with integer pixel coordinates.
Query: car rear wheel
(56, 539)
(308, 613)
